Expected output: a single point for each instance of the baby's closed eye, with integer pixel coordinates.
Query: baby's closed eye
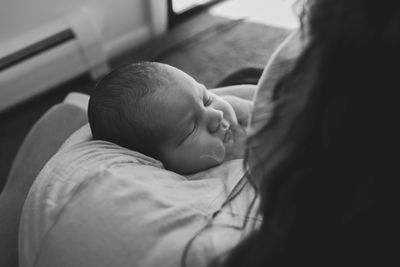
(207, 100)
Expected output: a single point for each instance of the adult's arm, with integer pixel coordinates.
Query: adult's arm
(244, 91)
(241, 99)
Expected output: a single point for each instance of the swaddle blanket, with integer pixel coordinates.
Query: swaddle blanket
(97, 204)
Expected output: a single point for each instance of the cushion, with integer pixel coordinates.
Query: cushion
(97, 204)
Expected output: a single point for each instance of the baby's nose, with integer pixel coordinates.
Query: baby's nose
(215, 117)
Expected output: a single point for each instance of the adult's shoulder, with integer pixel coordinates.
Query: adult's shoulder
(282, 59)
(280, 63)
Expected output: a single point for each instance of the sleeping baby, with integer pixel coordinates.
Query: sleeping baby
(162, 112)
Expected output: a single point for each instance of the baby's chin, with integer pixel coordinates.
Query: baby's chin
(215, 157)
(207, 162)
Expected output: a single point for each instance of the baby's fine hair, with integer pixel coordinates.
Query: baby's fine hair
(119, 109)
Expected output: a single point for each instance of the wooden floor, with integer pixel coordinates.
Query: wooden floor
(208, 47)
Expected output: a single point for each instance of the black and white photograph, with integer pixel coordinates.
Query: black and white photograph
(199, 133)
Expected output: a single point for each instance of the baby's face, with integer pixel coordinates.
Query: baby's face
(196, 124)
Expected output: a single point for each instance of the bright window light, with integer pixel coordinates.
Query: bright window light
(271, 12)
(180, 6)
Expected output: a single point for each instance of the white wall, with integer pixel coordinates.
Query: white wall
(115, 18)
(104, 29)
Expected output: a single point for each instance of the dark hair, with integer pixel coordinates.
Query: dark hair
(319, 187)
(120, 110)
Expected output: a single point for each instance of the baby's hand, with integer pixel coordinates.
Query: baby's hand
(236, 149)
(242, 108)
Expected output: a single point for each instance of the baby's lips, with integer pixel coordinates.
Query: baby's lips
(228, 137)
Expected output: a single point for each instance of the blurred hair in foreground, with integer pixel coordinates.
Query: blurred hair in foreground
(321, 194)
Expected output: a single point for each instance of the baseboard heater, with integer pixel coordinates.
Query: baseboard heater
(36, 48)
(48, 56)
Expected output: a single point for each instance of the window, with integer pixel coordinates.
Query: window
(179, 10)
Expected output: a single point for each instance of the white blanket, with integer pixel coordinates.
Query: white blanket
(98, 204)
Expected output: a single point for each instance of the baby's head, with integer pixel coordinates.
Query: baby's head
(121, 109)
(162, 112)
